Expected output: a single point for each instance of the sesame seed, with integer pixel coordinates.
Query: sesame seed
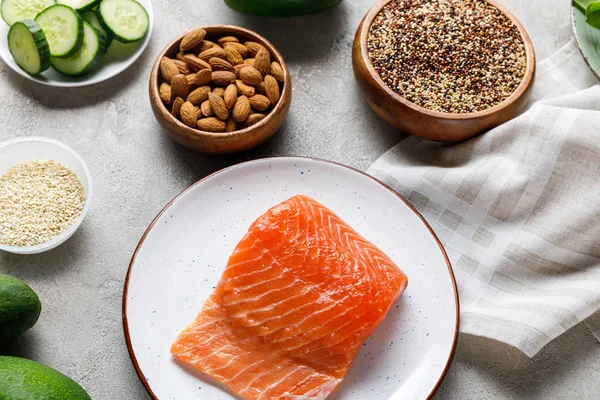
(38, 201)
(451, 56)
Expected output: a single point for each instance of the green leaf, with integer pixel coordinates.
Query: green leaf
(582, 4)
(592, 14)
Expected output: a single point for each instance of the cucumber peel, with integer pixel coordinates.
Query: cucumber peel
(91, 17)
(29, 47)
(86, 58)
(126, 20)
(80, 5)
(63, 27)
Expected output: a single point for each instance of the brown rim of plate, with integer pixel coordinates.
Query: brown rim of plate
(155, 220)
(233, 30)
(573, 24)
(519, 91)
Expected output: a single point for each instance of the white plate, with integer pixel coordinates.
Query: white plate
(119, 57)
(182, 254)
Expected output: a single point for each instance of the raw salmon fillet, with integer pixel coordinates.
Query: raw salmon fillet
(301, 293)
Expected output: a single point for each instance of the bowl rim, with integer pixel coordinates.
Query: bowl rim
(67, 233)
(518, 92)
(200, 134)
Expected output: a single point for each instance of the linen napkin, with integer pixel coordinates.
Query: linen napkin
(518, 209)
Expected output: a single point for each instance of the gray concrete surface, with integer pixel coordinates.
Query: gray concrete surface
(136, 170)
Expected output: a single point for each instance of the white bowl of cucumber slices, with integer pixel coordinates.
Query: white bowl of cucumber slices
(72, 43)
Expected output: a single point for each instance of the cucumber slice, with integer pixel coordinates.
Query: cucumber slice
(18, 10)
(86, 58)
(80, 5)
(63, 27)
(127, 20)
(29, 47)
(91, 17)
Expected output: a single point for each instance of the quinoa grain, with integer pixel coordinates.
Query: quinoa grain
(451, 56)
(38, 201)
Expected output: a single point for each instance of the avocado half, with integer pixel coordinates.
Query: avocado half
(280, 8)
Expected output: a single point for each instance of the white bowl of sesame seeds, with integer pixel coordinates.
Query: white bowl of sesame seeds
(51, 205)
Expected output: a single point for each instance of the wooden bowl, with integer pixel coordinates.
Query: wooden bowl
(226, 142)
(428, 124)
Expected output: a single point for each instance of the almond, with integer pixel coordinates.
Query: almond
(230, 96)
(244, 89)
(218, 106)
(250, 76)
(195, 63)
(260, 88)
(277, 72)
(222, 78)
(219, 91)
(203, 77)
(230, 125)
(226, 39)
(211, 125)
(259, 102)
(253, 47)
(179, 87)
(199, 95)
(238, 68)
(205, 45)
(188, 114)
(206, 109)
(218, 64)
(222, 86)
(164, 92)
(214, 51)
(168, 69)
(177, 107)
(190, 79)
(233, 56)
(272, 89)
(254, 118)
(243, 50)
(262, 61)
(241, 109)
(183, 67)
(192, 39)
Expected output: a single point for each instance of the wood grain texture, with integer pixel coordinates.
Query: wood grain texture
(228, 142)
(419, 121)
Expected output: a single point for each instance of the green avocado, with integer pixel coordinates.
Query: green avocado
(280, 8)
(22, 379)
(20, 307)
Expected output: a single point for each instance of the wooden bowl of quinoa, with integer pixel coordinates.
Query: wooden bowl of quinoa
(444, 70)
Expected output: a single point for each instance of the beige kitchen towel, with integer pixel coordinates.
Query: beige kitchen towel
(518, 209)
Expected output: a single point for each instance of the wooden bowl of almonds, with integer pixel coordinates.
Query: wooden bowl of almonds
(220, 89)
(444, 71)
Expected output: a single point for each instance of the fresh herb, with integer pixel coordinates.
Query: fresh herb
(583, 4)
(592, 14)
(591, 8)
